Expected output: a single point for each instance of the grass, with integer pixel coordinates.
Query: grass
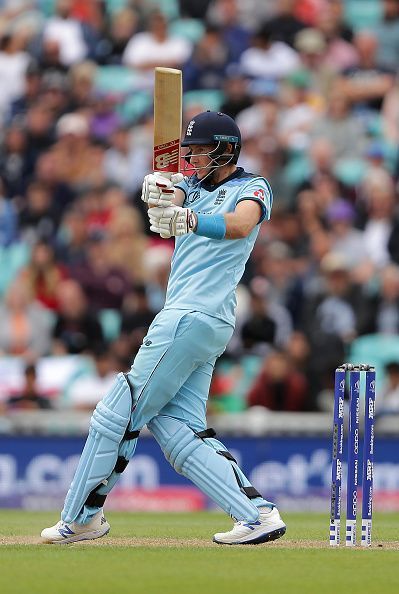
(289, 566)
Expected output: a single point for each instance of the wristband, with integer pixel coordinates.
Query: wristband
(212, 226)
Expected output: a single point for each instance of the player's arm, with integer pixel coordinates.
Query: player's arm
(177, 221)
(240, 223)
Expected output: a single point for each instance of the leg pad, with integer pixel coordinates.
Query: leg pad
(198, 458)
(100, 455)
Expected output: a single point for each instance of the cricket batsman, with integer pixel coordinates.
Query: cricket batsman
(215, 215)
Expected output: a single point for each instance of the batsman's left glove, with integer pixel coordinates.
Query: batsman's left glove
(172, 221)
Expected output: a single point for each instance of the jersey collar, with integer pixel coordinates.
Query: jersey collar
(211, 187)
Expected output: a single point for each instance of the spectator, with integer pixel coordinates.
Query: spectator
(15, 163)
(119, 161)
(266, 58)
(50, 59)
(236, 92)
(82, 79)
(156, 47)
(67, 32)
(279, 387)
(285, 24)
(8, 219)
(137, 315)
(87, 390)
(345, 239)
(366, 84)
(390, 115)
(127, 243)
(312, 46)
(74, 156)
(25, 327)
(43, 274)
(334, 12)
(268, 323)
(388, 401)
(104, 120)
(71, 239)
(225, 15)
(30, 397)
(47, 175)
(55, 93)
(262, 117)
(206, 67)
(77, 329)
(298, 114)
(329, 318)
(387, 33)
(379, 225)
(383, 314)
(340, 128)
(123, 27)
(104, 284)
(340, 53)
(30, 93)
(14, 62)
(39, 128)
(38, 219)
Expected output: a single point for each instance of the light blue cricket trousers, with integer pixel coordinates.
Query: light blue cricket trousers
(172, 371)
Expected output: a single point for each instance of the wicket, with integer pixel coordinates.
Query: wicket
(353, 454)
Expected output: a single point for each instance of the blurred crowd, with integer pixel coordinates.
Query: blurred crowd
(313, 86)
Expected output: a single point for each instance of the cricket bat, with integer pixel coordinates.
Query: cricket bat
(167, 120)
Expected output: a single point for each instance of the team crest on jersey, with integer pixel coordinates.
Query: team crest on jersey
(220, 197)
(261, 194)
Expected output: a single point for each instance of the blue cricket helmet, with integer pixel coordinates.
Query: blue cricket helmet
(214, 127)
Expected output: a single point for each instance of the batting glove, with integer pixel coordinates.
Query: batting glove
(158, 188)
(172, 221)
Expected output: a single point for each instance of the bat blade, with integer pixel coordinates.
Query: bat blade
(167, 119)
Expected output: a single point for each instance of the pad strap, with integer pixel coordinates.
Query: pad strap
(130, 435)
(206, 434)
(227, 455)
(251, 492)
(95, 499)
(121, 464)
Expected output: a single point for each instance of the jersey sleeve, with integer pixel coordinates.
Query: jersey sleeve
(258, 190)
(183, 186)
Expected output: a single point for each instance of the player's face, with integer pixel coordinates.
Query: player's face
(199, 158)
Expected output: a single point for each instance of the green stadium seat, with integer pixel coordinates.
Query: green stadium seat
(297, 170)
(115, 79)
(170, 8)
(110, 321)
(350, 172)
(190, 29)
(135, 106)
(113, 6)
(362, 14)
(12, 259)
(207, 99)
(375, 349)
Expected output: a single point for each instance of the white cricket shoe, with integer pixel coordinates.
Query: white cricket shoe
(269, 527)
(63, 533)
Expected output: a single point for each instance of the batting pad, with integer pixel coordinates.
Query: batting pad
(100, 454)
(199, 460)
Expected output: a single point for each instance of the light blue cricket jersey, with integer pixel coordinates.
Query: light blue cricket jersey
(205, 272)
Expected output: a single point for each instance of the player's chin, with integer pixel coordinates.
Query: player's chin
(201, 172)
